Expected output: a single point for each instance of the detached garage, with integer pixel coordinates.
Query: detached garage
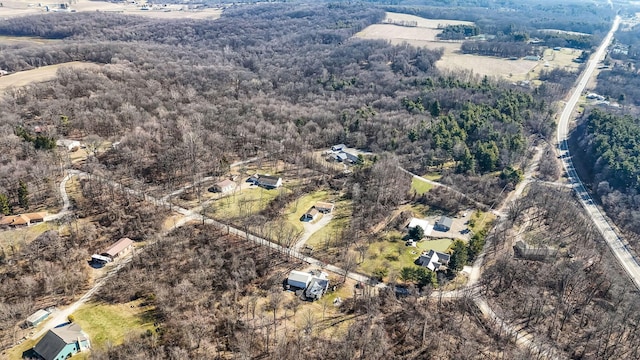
(298, 279)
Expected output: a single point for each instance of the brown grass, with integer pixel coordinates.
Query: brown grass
(41, 74)
(16, 8)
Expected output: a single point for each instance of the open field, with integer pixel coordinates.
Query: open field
(17, 237)
(41, 74)
(424, 35)
(106, 323)
(24, 40)
(15, 8)
(394, 255)
(419, 186)
(243, 203)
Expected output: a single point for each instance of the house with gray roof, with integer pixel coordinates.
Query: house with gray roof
(434, 260)
(62, 342)
(443, 224)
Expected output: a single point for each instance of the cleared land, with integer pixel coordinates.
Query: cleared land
(425, 35)
(394, 255)
(419, 186)
(15, 8)
(26, 40)
(41, 74)
(109, 324)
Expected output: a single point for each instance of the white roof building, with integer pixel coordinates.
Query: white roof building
(423, 223)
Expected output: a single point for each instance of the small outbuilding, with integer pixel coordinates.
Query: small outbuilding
(37, 317)
(299, 279)
(224, 186)
(524, 251)
(338, 147)
(324, 207)
(310, 215)
(120, 248)
(444, 223)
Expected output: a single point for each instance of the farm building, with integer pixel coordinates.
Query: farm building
(324, 207)
(444, 224)
(37, 317)
(310, 215)
(434, 260)
(299, 279)
(35, 217)
(99, 259)
(524, 251)
(62, 342)
(224, 186)
(338, 147)
(70, 145)
(120, 248)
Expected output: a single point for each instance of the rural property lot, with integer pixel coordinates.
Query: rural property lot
(424, 35)
(45, 73)
(15, 8)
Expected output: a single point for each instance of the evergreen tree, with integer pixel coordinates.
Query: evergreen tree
(416, 232)
(459, 256)
(23, 195)
(5, 207)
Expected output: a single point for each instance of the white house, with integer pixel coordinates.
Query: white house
(434, 260)
(423, 223)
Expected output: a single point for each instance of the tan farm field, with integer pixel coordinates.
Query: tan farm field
(41, 74)
(425, 35)
(15, 8)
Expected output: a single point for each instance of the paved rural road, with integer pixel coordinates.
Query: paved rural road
(617, 245)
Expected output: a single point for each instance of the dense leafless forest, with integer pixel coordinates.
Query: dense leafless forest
(180, 100)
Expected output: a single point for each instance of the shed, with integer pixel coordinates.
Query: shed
(121, 247)
(324, 207)
(37, 217)
(524, 251)
(37, 317)
(310, 215)
(338, 147)
(444, 223)
(224, 186)
(299, 279)
(62, 342)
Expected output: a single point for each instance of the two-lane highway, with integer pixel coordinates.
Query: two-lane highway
(616, 244)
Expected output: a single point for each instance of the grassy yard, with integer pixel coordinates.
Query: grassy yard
(297, 208)
(244, 203)
(394, 255)
(106, 323)
(479, 220)
(21, 236)
(341, 219)
(419, 186)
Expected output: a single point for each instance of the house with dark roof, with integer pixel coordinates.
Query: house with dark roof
(443, 224)
(62, 342)
(269, 182)
(434, 260)
(120, 248)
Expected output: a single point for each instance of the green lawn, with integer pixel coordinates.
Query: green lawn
(341, 219)
(297, 208)
(105, 323)
(479, 220)
(394, 255)
(244, 203)
(419, 186)
(432, 176)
